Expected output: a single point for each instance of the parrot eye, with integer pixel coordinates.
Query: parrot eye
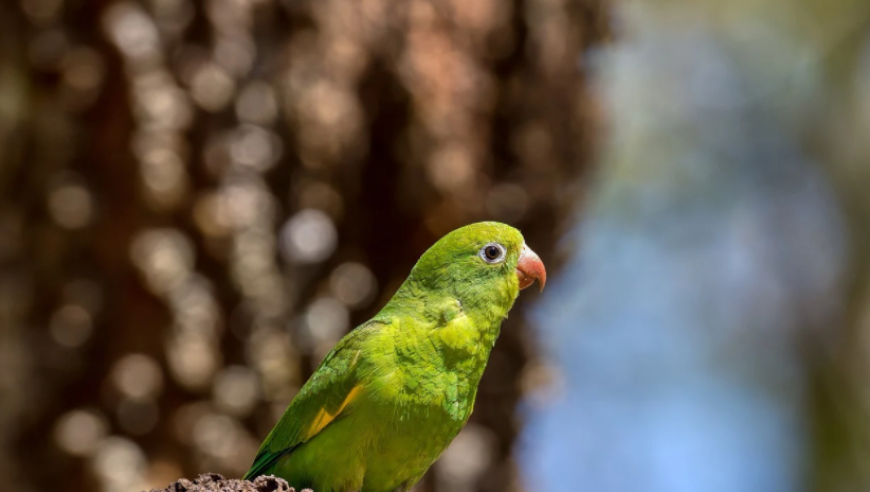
(492, 253)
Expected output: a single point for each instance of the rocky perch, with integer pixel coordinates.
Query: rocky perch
(212, 482)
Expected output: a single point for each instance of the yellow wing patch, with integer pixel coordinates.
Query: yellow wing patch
(324, 417)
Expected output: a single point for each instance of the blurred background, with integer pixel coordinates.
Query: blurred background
(198, 199)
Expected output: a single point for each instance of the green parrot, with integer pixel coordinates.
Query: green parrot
(394, 392)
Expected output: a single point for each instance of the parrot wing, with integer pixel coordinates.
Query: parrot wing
(323, 399)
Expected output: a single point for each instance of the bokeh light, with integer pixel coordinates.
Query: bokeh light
(137, 377)
(70, 203)
(236, 390)
(353, 284)
(308, 237)
(80, 432)
(466, 459)
(71, 325)
(120, 464)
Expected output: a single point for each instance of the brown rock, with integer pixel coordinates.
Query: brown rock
(212, 482)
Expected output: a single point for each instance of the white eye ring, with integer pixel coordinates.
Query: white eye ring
(492, 253)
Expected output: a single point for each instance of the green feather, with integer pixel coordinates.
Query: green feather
(390, 397)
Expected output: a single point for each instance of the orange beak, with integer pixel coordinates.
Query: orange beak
(530, 268)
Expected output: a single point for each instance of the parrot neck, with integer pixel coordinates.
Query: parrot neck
(482, 306)
(484, 311)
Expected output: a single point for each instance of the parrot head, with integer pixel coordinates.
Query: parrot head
(481, 265)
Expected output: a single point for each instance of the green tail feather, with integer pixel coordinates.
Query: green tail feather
(263, 462)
